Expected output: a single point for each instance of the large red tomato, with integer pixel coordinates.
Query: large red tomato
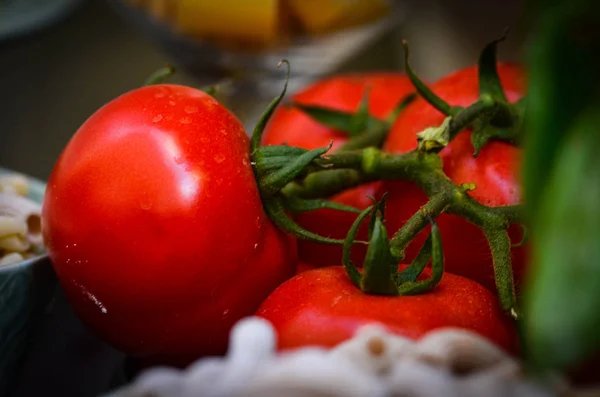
(153, 221)
(292, 126)
(495, 172)
(322, 307)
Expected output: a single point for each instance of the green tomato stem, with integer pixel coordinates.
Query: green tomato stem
(417, 223)
(160, 75)
(425, 170)
(437, 266)
(500, 246)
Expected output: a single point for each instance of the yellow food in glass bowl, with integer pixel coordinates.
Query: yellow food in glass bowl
(262, 23)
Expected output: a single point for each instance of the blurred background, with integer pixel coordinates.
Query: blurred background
(60, 60)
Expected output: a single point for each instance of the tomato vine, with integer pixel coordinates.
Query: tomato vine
(291, 178)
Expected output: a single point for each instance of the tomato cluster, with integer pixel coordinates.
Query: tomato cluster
(156, 226)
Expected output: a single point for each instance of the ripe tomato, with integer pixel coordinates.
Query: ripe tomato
(495, 172)
(292, 126)
(322, 307)
(155, 226)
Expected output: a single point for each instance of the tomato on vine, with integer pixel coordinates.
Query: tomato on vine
(336, 109)
(493, 168)
(326, 306)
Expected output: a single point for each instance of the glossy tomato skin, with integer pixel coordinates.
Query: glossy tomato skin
(153, 221)
(291, 126)
(322, 307)
(495, 172)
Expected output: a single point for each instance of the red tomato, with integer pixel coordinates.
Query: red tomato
(154, 224)
(322, 307)
(495, 172)
(295, 128)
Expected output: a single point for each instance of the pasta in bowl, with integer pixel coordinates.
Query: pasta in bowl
(20, 225)
(27, 280)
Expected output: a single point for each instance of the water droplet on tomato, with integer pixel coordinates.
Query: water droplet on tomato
(190, 109)
(172, 103)
(179, 159)
(256, 246)
(185, 120)
(245, 161)
(225, 312)
(157, 118)
(258, 222)
(219, 158)
(159, 95)
(224, 131)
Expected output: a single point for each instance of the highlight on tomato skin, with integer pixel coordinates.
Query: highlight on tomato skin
(292, 126)
(321, 307)
(155, 227)
(495, 173)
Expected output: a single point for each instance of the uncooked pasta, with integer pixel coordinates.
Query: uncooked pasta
(20, 225)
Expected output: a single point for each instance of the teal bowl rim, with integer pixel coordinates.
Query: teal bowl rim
(37, 189)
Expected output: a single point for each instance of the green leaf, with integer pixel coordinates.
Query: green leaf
(380, 269)
(414, 270)
(561, 176)
(338, 120)
(489, 81)
(272, 182)
(563, 62)
(422, 88)
(275, 209)
(353, 273)
(259, 128)
(349, 123)
(563, 300)
(379, 210)
(434, 247)
(483, 132)
(160, 75)
(360, 120)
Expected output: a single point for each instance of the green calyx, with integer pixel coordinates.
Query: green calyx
(362, 129)
(160, 75)
(492, 117)
(282, 172)
(277, 167)
(425, 170)
(380, 275)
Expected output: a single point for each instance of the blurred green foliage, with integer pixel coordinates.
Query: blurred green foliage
(562, 183)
